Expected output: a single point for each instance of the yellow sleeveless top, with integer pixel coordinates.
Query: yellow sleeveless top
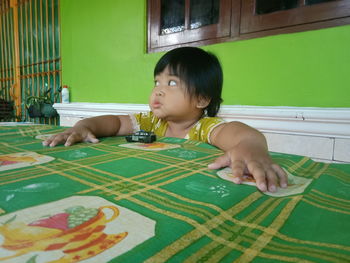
(200, 131)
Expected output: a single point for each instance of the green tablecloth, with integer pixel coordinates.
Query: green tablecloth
(161, 206)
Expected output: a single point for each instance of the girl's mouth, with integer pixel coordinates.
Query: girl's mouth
(156, 105)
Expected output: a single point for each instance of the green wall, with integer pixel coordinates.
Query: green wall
(104, 60)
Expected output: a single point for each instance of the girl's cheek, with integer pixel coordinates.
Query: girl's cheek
(150, 97)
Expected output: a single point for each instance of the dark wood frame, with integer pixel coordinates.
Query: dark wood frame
(157, 42)
(244, 24)
(292, 17)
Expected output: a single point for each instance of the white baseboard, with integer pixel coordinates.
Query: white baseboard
(322, 133)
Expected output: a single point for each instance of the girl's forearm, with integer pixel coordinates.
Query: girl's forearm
(232, 134)
(101, 126)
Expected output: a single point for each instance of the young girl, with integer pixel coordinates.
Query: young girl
(184, 102)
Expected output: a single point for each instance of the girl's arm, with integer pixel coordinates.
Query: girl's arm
(88, 130)
(246, 152)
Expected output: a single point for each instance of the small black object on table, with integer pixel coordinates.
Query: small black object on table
(141, 136)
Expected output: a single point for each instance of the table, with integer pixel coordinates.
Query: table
(108, 203)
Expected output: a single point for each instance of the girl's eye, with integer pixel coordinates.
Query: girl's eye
(172, 83)
(156, 83)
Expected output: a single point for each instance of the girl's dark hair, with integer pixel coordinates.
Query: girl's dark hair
(200, 70)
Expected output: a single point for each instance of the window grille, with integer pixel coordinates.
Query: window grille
(30, 61)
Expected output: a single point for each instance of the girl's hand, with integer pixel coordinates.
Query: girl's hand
(256, 162)
(71, 136)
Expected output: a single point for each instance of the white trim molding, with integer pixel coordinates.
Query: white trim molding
(85, 109)
(324, 122)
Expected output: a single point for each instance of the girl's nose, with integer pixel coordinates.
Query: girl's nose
(159, 92)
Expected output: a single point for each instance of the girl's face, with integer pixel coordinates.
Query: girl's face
(170, 101)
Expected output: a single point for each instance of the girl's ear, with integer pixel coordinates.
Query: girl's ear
(202, 102)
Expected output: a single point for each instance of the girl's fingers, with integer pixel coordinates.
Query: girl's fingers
(73, 138)
(69, 138)
(222, 161)
(59, 139)
(281, 174)
(237, 167)
(54, 140)
(272, 180)
(49, 140)
(268, 176)
(91, 138)
(259, 174)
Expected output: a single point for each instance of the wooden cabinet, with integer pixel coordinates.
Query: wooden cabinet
(173, 23)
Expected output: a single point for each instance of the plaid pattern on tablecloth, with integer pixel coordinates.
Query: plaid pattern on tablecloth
(199, 217)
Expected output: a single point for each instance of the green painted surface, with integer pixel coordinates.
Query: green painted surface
(104, 60)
